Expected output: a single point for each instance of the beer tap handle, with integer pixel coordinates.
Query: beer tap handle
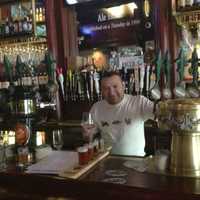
(96, 83)
(73, 87)
(70, 84)
(88, 85)
(181, 62)
(87, 95)
(82, 84)
(78, 85)
(61, 80)
(142, 73)
(136, 78)
(91, 77)
(194, 67)
(147, 79)
(131, 83)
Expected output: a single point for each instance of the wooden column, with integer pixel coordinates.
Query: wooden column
(62, 38)
(51, 28)
(174, 39)
(165, 32)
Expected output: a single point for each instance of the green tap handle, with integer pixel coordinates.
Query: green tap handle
(181, 61)
(19, 65)
(158, 65)
(49, 61)
(167, 66)
(8, 67)
(194, 67)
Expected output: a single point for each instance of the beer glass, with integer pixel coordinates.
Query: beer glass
(87, 119)
(88, 125)
(58, 139)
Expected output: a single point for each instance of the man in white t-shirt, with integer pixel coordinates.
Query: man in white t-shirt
(120, 117)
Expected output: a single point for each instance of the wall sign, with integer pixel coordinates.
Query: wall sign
(114, 26)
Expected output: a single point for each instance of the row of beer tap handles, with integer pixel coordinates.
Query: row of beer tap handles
(84, 85)
(80, 85)
(163, 64)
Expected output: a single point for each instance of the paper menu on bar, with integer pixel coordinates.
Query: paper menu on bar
(54, 163)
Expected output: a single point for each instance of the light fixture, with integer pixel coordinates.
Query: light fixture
(70, 2)
(146, 8)
(132, 7)
(122, 10)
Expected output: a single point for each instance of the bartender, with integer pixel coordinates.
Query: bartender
(120, 117)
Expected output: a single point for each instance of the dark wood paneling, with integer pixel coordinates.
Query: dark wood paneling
(62, 39)
(131, 33)
(74, 110)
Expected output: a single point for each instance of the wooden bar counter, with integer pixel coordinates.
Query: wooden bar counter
(91, 185)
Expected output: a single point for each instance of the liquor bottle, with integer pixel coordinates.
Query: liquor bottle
(7, 29)
(40, 15)
(20, 26)
(35, 79)
(30, 24)
(1, 29)
(16, 27)
(180, 4)
(45, 78)
(43, 14)
(15, 81)
(5, 82)
(29, 79)
(25, 25)
(37, 15)
(11, 27)
(23, 79)
(40, 78)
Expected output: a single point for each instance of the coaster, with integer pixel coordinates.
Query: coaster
(115, 180)
(116, 173)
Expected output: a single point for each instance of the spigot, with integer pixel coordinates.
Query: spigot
(47, 104)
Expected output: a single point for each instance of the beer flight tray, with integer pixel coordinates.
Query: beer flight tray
(80, 170)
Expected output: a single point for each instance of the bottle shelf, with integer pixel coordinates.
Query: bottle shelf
(40, 22)
(15, 36)
(23, 40)
(26, 21)
(188, 9)
(188, 17)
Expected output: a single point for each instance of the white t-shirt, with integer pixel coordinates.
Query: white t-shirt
(123, 124)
